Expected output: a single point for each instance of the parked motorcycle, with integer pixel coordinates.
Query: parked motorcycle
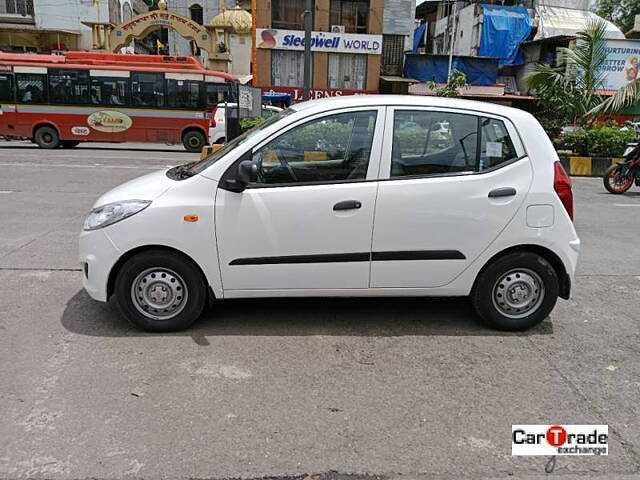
(619, 177)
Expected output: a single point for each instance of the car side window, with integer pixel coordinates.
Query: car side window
(496, 145)
(431, 142)
(329, 149)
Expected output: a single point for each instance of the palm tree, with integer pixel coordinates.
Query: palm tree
(624, 97)
(572, 91)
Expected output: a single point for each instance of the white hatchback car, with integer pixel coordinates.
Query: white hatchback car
(352, 196)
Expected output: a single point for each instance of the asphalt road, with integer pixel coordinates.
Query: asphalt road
(416, 388)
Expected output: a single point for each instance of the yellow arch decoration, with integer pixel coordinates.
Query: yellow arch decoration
(141, 25)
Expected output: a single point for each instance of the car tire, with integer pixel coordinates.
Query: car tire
(194, 141)
(47, 137)
(515, 292)
(69, 143)
(160, 291)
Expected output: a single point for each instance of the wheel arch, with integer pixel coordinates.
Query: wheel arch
(563, 278)
(192, 127)
(113, 274)
(44, 123)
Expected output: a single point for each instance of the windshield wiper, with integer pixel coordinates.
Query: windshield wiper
(181, 171)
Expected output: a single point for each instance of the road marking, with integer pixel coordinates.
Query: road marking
(6, 191)
(66, 165)
(627, 204)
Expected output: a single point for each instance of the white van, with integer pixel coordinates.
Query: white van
(351, 196)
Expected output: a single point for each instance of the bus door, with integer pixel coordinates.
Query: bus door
(7, 104)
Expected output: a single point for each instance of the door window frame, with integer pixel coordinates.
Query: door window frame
(384, 172)
(373, 167)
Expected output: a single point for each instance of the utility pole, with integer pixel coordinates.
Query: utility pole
(308, 18)
(452, 39)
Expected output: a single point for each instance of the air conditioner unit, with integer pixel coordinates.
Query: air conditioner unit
(337, 28)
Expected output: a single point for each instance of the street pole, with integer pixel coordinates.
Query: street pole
(452, 39)
(308, 17)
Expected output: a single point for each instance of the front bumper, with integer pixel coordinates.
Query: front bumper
(98, 255)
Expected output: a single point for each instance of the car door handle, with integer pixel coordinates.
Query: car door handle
(502, 192)
(347, 205)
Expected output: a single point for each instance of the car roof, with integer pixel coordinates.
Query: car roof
(324, 104)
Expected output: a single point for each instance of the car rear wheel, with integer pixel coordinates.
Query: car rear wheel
(47, 137)
(516, 292)
(159, 291)
(193, 141)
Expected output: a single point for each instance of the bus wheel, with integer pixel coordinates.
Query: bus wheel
(47, 137)
(69, 143)
(193, 141)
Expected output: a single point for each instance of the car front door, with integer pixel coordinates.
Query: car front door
(306, 223)
(454, 181)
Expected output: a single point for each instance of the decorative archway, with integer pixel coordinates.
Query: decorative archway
(142, 25)
(111, 38)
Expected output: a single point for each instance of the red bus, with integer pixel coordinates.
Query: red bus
(62, 100)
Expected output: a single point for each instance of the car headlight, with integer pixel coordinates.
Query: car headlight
(111, 213)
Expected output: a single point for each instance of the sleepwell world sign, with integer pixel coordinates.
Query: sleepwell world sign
(621, 65)
(320, 41)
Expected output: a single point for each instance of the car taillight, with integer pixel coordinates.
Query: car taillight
(213, 117)
(562, 186)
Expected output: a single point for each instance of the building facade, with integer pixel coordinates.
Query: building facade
(350, 44)
(46, 26)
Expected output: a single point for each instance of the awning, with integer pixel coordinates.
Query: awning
(30, 28)
(245, 79)
(558, 22)
(394, 78)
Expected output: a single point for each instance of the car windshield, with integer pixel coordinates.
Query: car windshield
(202, 165)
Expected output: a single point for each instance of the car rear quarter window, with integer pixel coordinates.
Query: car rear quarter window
(496, 145)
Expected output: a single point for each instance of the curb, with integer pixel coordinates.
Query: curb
(588, 166)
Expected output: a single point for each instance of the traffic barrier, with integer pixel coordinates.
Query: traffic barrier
(209, 149)
(588, 166)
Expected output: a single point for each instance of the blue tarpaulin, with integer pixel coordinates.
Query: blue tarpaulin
(503, 30)
(427, 68)
(418, 35)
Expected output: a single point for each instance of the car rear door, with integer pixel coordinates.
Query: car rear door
(448, 193)
(306, 224)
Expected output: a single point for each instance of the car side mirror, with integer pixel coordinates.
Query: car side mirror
(247, 173)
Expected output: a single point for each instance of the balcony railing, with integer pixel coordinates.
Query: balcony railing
(16, 8)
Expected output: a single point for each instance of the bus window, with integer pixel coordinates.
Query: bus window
(6, 89)
(110, 91)
(183, 94)
(215, 94)
(147, 89)
(32, 88)
(70, 87)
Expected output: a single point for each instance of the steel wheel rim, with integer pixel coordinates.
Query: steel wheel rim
(194, 141)
(518, 293)
(159, 293)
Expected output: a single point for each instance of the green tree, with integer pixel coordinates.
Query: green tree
(570, 91)
(620, 12)
(456, 81)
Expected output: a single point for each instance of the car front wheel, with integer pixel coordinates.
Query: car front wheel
(516, 291)
(159, 291)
